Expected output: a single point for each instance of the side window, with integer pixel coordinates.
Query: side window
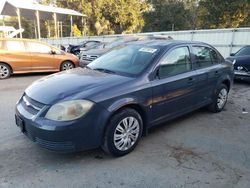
(176, 62)
(205, 56)
(57, 51)
(35, 47)
(90, 44)
(15, 46)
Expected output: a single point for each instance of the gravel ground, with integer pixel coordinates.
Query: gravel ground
(200, 149)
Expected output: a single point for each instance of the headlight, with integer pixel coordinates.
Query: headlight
(69, 110)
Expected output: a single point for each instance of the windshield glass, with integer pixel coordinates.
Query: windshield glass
(129, 60)
(243, 51)
(115, 43)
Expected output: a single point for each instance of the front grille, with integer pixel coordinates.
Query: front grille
(55, 146)
(89, 57)
(241, 68)
(30, 105)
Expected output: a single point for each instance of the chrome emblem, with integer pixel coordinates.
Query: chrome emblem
(26, 102)
(240, 68)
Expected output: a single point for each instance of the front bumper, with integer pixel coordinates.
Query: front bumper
(81, 134)
(241, 75)
(83, 63)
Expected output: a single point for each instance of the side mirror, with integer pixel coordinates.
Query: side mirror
(232, 54)
(158, 73)
(52, 52)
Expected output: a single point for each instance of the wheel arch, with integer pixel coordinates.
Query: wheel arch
(11, 69)
(225, 79)
(227, 83)
(132, 105)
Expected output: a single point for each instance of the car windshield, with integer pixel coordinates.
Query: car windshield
(244, 51)
(129, 60)
(115, 43)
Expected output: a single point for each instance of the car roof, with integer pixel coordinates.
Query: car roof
(24, 40)
(28, 40)
(165, 43)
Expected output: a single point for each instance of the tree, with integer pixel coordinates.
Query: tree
(224, 13)
(167, 15)
(109, 16)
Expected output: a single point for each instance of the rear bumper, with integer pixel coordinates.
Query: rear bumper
(81, 134)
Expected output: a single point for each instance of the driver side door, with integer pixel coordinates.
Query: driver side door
(174, 86)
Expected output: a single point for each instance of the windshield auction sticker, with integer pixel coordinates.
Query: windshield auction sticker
(148, 50)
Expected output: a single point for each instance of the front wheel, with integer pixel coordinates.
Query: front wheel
(220, 99)
(123, 132)
(67, 65)
(5, 71)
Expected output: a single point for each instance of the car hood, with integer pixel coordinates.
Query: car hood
(77, 83)
(98, 52)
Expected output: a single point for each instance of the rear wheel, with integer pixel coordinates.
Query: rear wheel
(5, 71)
(123, 132)
(67, 65)
(220, 99)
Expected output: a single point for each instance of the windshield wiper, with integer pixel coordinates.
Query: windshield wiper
(105, 70)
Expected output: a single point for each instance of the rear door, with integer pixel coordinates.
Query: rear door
(17, 56)
(207, 64)
(174, 88)
(42, 57)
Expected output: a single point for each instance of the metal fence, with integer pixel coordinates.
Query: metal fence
(225, 40)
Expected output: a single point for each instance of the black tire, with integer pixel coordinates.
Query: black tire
(5, 71)
(215, 105)
(67, 65)
(109, 145)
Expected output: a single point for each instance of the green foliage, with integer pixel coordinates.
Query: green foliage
(110, 16)
(131, 16)
(224, 13)
(167, 15)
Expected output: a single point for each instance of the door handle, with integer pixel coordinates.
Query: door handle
(191, 80)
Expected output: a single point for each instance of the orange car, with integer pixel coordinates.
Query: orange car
(26, 56)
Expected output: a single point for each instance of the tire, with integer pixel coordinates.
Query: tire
(5, 71)
(118, 140)
(67, 65)
(220, 99)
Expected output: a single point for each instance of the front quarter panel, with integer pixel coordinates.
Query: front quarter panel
(135, 94)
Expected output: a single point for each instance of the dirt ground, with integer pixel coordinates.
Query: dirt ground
(199, 150)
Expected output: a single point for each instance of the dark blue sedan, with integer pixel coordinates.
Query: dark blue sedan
(114, 100)
(241, 61)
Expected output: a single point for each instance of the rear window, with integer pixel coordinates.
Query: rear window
(15, 46)
(205, 56)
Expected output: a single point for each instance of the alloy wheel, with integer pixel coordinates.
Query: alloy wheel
(222, 98)
(126, 133)
(4, 71)
(67, 66)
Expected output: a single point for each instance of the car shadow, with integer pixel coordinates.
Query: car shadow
(99, 154)
(31, 74)
(242, 82)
